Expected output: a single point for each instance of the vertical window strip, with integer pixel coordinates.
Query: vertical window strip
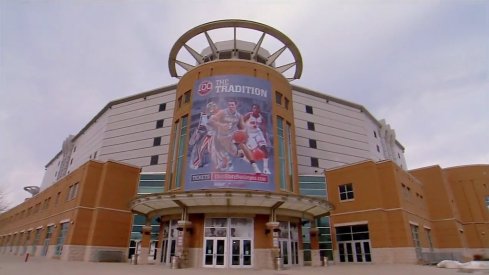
(171, 184)
(289, 157)
(181, 147)
(281, 152)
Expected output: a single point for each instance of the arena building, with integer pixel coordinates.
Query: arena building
(234, 166)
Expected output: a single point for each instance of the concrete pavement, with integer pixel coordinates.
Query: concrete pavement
(15, 265)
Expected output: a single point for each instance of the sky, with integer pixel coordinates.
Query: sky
(421, 65)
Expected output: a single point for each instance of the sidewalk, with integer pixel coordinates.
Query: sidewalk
(15, 265)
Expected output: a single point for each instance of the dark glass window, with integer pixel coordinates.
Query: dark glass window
(313, 143)
(154, 160)
(314, 162)
(311, 126)
(309, 109)
(157, 141)
(346, 192)
(378, 148)
(278, 98)
(162, 107)
(159, 123)
(186, 96)
(286, 103)
(375, 134)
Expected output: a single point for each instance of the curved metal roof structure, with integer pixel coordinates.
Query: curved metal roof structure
(270, 60)
(232, 201)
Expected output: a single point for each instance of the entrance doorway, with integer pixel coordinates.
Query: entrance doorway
(289, 243)
(228, 242)
(169, 241)
(355, 251)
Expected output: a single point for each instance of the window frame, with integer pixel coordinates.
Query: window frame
(347, 192)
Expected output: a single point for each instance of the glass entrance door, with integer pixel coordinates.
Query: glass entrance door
(240, 253)
(215, 252)
(355, 251)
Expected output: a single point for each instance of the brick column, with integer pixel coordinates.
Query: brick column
(145, 242)
(274, 228)
(315, 255)
(181, 250)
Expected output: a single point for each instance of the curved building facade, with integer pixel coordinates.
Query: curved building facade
(231, 189)
(234, 166)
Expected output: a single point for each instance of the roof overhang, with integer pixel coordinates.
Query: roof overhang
(235, 201)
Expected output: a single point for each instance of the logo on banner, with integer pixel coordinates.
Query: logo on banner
(204, 88)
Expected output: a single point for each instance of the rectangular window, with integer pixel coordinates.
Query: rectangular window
(287, 103)
(313, 143)
(487, 202)
(159, 123)
(378, 148)
(162, 107)
(415, 235)
(72, 191)
(346, 192)
(61, 238)
(157, 141)
(278, 98)
(186, 96)
(289, 156)
(180, 154)
(281, 153)
(179, 102)
(375, 134)
(154, 160)
(314, 162)
(95, 155)
(57, 198)
(428, 235)
(311, 126)
(309, 109)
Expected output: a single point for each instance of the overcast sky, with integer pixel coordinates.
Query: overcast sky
(421, 65)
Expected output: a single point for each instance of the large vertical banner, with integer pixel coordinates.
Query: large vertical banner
(231, 134)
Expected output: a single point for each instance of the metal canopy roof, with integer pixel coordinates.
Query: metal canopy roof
(235, 201)
(264, 30)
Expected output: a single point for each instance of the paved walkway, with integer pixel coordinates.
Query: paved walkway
(15, 265)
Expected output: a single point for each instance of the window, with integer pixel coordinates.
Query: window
(57, 198)
(313, 143)
(159, 123)
(378, 148)
(346, 192)
(278, 98)
(157, 141)
(74, 149)
(286, 103)
(314, 162)
(154, 160)
(375, 134)
(61, 238)
(180, 153)
(311, 126)
(95, 155)
(71, 161)
(281, 153)
(72, 192)
(179, 102)
(487, 202)
(186, 96)
(162, 107)
(309, 109)
(428, 235)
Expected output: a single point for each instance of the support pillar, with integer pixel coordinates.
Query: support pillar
(145, 242)
(184, 230)
(315, 255)
(273, 227)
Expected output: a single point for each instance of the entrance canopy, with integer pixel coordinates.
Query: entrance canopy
(227, 201)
